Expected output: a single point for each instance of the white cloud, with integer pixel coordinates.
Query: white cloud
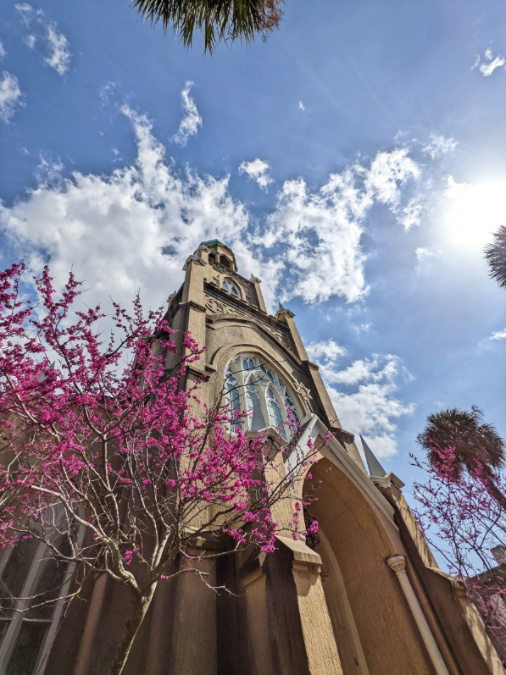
(257, 170)
(388, 170)
(10, 95)
(301, 106)
(488, 68)
(357, 372)
(26, 11)
(58, 54)
(383, 446)
(2, 51)
(439, 145)
(422, 253)
(58, 50)
(324, 228)
(113, 229)
(498, 335)
(362, 328)
(371, 408)
(411, 214)
(191, 121)
(325, 352)
(106, 92)
(489, 64)
(48, 171)
(312, 238)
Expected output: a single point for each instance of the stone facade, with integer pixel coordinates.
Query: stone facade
(367, 598)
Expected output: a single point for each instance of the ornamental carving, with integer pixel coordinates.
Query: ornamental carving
(280, 336)
(397, 563)
(218, 307)
(222, 306)
(303, 391)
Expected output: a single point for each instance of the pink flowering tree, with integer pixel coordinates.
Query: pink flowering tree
(111, 460)
(464, 521)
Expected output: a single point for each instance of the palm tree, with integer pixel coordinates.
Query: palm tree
(495, 255)
(219, 19)
(472, 438)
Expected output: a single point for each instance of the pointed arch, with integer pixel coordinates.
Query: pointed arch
(262, 393)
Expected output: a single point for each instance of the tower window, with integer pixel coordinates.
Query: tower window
(262, 394)
(225, 261)
(230, 287)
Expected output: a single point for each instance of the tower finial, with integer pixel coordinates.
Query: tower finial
(282, 311)
(375, 468)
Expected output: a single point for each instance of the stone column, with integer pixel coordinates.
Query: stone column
(397, 563)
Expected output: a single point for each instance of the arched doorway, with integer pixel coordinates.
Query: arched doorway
(372, 623)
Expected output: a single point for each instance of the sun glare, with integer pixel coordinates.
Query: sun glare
(474, 212)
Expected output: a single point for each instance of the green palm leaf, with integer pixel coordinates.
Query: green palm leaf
(218, 19)
(495, 255)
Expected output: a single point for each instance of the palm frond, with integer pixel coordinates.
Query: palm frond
(472, 438)
(217, 19)
(495, 255)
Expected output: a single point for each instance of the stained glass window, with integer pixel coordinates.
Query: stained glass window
(256, 388)
(275, 418)
(256, 419)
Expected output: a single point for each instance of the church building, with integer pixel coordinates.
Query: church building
(364, 596)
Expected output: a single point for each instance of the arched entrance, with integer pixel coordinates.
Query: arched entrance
(373, 625)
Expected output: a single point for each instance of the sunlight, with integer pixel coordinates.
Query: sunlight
(474, 212)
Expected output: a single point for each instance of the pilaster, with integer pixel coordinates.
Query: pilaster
(255, 586)
(194, 646)
(193, 304)
(260, 298)
(287, 317)
(319, 642)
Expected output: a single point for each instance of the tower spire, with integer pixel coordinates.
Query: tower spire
(375, 468)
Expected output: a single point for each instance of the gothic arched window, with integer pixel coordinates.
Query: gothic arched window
(261, 394)
(230, 287)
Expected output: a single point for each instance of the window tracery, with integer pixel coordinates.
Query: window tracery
(256, 389)
(231, 288)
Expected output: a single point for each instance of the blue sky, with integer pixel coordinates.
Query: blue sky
(356, 163)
